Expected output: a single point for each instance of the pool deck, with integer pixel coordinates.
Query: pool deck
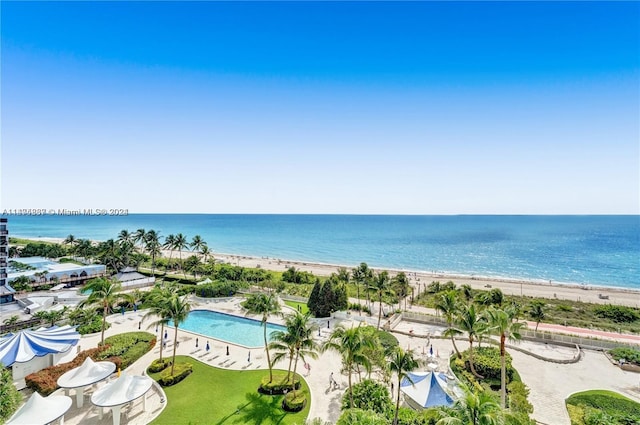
(549, 383)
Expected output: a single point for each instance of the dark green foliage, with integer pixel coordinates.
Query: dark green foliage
(387, 340)
(630, 355)
(361, 417)
(47, 250)
(617, 313)
(493, 297)
(407, 416)
(369, 395)
(180, 372)
(327, 297)
(361, 307)
(291, 275)
(294, 401)
(95, 325)
(10, 398)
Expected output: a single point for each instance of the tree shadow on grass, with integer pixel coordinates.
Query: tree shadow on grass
(259, 409)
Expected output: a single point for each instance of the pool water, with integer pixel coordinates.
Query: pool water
(225, 327)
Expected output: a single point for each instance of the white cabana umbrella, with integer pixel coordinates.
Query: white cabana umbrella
(40, 411)
(121, 391)
(88, 373)
(24, 345)
(425, 390)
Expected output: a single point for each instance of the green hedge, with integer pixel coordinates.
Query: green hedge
(294, 402)
(158, 365)
(630, 355)
(127, 347)
(279, 385)
(92, 327)
(604, 407)
(180, 371)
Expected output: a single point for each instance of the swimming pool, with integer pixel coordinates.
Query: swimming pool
(225, 327)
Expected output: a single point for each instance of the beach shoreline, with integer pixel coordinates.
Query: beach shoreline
(420, 279)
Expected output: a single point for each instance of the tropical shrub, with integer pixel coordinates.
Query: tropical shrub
(279, 385)
(158, 365)
(617, 313)
(10, 398)
(127, 347)
(95, 325)
(218, 289)
(359, 307)
(369, 395)
(294, 401)
(361, 417)
(630, 355)
(180, 372)
(602, 407)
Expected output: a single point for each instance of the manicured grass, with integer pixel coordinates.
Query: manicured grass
(219, 396)
(295, 305)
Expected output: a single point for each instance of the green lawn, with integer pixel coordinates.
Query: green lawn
(295, 304)
(219, 396)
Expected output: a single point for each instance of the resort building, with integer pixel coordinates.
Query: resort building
(44, 271)
(6, 291)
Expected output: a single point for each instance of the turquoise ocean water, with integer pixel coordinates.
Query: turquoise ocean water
(592, 250)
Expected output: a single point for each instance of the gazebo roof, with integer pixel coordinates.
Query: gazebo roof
(39, 410)
(25, 345)
(123, 390)
(427, 389)
(87, 373)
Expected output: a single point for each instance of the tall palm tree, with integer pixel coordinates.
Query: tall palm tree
(84, 248)
(125, 237)
(169, 243)
(178, 309)
(401, 287)
(474, 325)
(265, 305)
(351, 344)
(402, 362)
(537, 312)
(139, 237)
(197, 243)
(467, 291)
(180, 243)
(362, 275)
(205, 252)
(380, 285)
(504, 324)
(105, 293)
(473, 408)
(108, 253)
(447, 304)
(160, 299)
(296, 341)
(71, 241)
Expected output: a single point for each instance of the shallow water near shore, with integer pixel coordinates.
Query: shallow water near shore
(590, 250)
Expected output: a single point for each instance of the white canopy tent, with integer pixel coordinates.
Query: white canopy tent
(121, 391)
(426, 389)
(30, 351)
(88, 373)
(39, 410)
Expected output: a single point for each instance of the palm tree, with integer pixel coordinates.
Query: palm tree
(537, 312)
(205, 252)
(469, 321)
(381, 286)
(296, 341)
(473, 408)
(180, 243)
(362, 275)
(125, 237)
(402, 362)
(71, 241)
(169, 243)
(108, 253)
(501, 322)
(467, 291)
(400, 285)
(160, 299)
(84, 248)
(105, 293)
(265, 305)
(178, 309)
(447, 304)
(197, 243)
(351, 344)
(139, 237)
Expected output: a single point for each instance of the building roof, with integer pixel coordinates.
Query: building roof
(427, 389)
(53, 268)
(128, 276)
(26, 344)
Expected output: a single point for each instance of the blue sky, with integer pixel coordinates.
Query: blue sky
(312, 107)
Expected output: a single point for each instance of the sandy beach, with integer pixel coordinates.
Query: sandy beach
(543, 289)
